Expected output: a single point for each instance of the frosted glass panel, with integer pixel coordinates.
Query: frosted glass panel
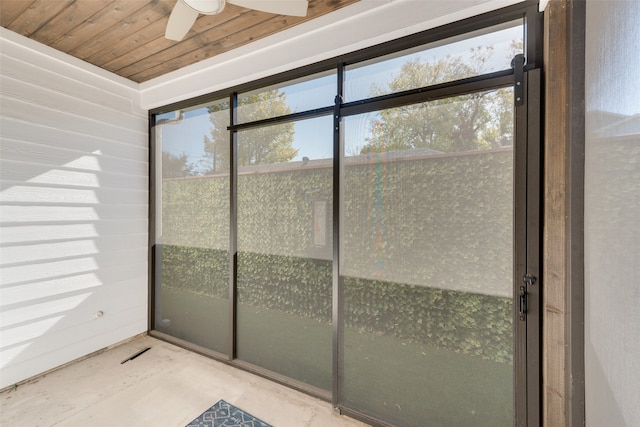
(192, 226)
(284, 278)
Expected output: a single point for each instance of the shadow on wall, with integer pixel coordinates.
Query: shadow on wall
(72, 245)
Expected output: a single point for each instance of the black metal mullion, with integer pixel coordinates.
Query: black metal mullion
(337, 300)
(527, 188)
(233, 228)
(527, 323)
(154, 255)
(310, 114)
(533, 33)
(533, 226)
(519, 260)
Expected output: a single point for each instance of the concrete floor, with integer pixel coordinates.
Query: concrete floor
(165, 386)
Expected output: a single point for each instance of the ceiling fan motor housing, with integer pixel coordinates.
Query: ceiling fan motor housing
(206, 7)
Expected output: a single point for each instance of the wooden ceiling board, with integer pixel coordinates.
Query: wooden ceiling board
(136, 23)
(127, 36)
(174, 56)
(247, 27)
(140, 53)
(107, 18)
(37, 15)
(131, 48)
(215, 46)
(11, 9)
(67, 20)
(190, 50)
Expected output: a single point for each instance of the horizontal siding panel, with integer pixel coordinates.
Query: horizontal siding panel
(52, 319)
(31, 173)
(82, 144)
(18, 193)
(30, 113)
(42, 77)
(25, 333)
(11, 234)
(31, 313)
(70, 68)
(24, 320)
(37, 233)
(48, 251)
(54, 155)
(41, 270)
(74, 248)
(54, 215)
(82, 107)
(54, 323)
(44, 352)
(129, 275)
(33, 291)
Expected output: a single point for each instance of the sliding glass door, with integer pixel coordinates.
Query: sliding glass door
(427, 262)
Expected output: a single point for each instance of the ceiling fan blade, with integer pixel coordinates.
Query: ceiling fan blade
(277, 7)
(180, 22)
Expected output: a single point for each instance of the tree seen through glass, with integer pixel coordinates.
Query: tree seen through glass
(475, 121)
(266, 144)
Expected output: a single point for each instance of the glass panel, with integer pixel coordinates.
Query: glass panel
(284, 278)
(426, 262)
(468, 55)
(192, 225)
(294, 96)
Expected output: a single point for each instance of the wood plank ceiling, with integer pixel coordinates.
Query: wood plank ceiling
(126, 37)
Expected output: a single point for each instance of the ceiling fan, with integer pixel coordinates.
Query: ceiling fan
(185, 12)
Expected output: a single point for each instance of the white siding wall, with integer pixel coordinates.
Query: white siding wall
(73, 209)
